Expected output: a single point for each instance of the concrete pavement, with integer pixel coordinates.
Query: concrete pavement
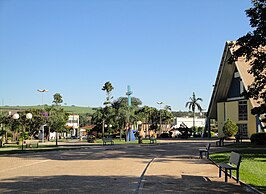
(168, 167)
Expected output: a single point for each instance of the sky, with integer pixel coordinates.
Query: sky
(164, 49)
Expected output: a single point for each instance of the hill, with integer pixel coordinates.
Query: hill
(69, 109)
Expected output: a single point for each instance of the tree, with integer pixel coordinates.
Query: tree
(107, 87)
(102, 116)
(58, 116)
(33, 125)
(252, 47)
(57, 99)
(123, 101)
(193, 104)
(149, 115)
(124, 114)
(120, 114)
(57, 120)
(229, 128)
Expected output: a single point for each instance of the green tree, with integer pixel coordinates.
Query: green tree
(11, 125)
(57, 120)
(85, 119)
(193, 104)
(230, 128)
(101, 117)
(107, 87)
(33, 125)
(124, 114)
(120, 115)
(57, 99)
(123, 101)
(150, 116)
(167, 116)
(58, 116)
(252, 47)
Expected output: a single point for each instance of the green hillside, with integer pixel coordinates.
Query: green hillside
(70, 109)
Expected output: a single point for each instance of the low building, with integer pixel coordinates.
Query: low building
(188, 122)
(73, 123)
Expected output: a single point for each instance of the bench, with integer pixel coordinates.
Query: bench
(205, 150)
(108, 140)
(234, 163)
(220, 142)
(153, 140)
(31, 143)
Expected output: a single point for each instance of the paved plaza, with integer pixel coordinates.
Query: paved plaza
(167, 167)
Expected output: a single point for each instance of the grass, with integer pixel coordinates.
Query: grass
(69, 109)
(17, 148)
(252, 167)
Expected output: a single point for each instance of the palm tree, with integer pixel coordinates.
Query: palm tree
(193, 104)
(107, 87)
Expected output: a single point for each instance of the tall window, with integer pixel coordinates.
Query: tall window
(242, 111)
(243, 130)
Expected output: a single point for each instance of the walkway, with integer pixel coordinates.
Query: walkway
(165, 168)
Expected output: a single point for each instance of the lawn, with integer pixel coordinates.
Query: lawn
(75, 144)
(69, 109)
(252, 167)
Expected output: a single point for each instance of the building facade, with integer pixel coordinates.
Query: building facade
(73, 123)
(228, 102)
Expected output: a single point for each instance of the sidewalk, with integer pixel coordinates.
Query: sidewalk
(166, 167)
(186, 175)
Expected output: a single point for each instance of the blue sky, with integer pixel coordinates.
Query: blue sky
(164, 49)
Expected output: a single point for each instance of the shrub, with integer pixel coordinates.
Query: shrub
(164, 135)
(230, 128)
(258, 138)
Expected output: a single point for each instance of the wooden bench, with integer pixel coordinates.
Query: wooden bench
(220, 142)
(108, 140)
(31, 143)
(205, 150)
(234, 163)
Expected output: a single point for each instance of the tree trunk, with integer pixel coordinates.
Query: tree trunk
(193, 119)
(103, 129)
(56, 138)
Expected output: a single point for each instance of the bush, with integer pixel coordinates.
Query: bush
(164, 135)
(230, 128)
(258, 138)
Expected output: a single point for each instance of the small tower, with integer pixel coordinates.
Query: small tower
(129, 93)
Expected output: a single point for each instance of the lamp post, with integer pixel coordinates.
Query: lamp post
(28, 116)
(160, 103)
(42, 91)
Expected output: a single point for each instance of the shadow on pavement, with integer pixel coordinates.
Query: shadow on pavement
(188, 184)
(115, 184)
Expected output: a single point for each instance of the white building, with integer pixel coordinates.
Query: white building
(188, 121)
(73, 122)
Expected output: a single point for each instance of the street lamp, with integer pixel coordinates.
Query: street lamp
(28, 116)
(160, 103)
(42, 91)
